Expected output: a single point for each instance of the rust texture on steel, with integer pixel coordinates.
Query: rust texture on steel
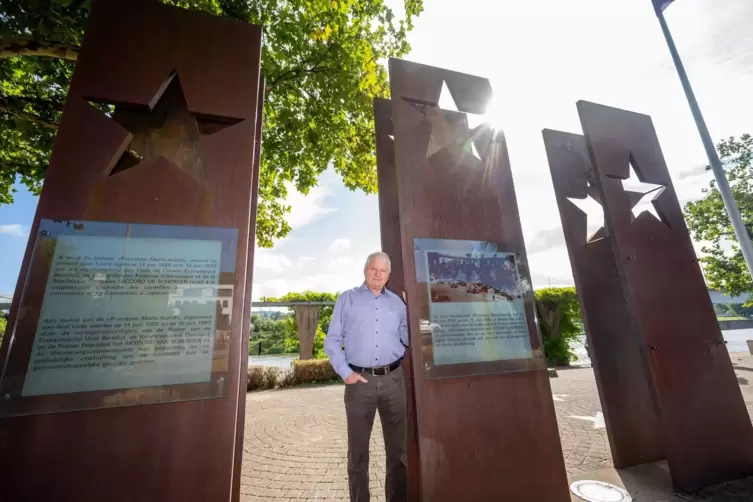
(616, 347)
(491, 437)
(706, 431)
(247, 301)
(389, 224)
(142, 58)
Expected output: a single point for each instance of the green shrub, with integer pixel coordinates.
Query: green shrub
(314, 371)
(272, 377)
(319, 344)
(303, 372)
(559, 319)
(263, 378)
(288, 379)
(3, 326)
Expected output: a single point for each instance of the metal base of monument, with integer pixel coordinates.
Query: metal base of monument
(649, 483)
(599, 491)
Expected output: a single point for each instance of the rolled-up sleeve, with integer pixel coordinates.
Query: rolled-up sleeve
(333, 343)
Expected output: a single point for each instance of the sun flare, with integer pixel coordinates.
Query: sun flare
(494, 115)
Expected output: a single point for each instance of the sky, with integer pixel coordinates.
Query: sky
(541, 58)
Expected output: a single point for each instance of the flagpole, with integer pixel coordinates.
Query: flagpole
(716, 165)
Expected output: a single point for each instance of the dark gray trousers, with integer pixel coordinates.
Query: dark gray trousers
(385, 393)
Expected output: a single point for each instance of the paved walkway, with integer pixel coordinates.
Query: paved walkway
(295, 444)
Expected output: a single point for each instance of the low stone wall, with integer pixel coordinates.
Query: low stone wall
(736, 324)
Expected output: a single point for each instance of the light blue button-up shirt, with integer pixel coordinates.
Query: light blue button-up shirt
(373, 330)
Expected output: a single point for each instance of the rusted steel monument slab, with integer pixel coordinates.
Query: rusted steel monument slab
(485, 419)
(124, 364)
(704, 428)
(389, 224)
(616, 347)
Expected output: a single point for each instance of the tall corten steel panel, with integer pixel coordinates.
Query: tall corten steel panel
(706, 431)
(618, 353)
(149, 61)
(481, 437)
(389, 223)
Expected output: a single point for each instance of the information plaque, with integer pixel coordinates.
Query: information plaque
(118, 314)
(477, 316)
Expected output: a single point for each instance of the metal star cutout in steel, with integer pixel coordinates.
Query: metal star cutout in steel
(449, 129)
(641, 194)
(591, 206)
(166, 129)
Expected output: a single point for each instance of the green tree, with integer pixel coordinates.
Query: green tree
(558, 312)
(3, 327)
(325, 317)
(739, 310)
(321, 61)
(272, 332)
(722, 260)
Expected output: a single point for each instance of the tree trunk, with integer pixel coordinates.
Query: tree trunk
(307, 319)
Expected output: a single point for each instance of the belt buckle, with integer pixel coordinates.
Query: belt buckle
(385, 371)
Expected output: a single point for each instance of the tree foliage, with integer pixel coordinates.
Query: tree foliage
(733, 310)
(558, 312)
(3, 326)
(722, 260)
(274, 334)
(321, 61)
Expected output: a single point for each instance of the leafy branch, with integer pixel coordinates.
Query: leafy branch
(29, 46)
(17, 106)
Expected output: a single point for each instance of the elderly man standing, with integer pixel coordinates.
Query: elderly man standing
(369, 322)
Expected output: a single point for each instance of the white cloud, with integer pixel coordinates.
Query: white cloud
(14, 229)
(338, 245)
(325, 282)
(271, 261)
(340, 263)
(320, 274)
(306, 209)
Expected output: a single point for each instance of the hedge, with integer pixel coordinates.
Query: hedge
(302, 372)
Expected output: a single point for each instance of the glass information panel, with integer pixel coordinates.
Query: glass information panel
(476, 309)
(118, 314)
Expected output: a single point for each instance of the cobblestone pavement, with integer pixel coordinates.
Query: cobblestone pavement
(295, 441)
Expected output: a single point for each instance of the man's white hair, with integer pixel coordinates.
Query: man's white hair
(378, 254)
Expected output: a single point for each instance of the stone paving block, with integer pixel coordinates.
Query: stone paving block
(296, 441)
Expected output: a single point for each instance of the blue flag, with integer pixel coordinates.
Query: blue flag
(660, 5)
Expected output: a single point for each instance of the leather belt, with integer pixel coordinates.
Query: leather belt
(379, 370)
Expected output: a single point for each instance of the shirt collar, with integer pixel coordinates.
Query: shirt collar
(364, 287)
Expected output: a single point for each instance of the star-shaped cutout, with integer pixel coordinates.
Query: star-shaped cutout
(449, 129)
(597, 420)
(167, 129)
(641, 194)
(591, 205)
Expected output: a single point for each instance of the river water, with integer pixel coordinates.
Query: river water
(736, 342)
(735, 338)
